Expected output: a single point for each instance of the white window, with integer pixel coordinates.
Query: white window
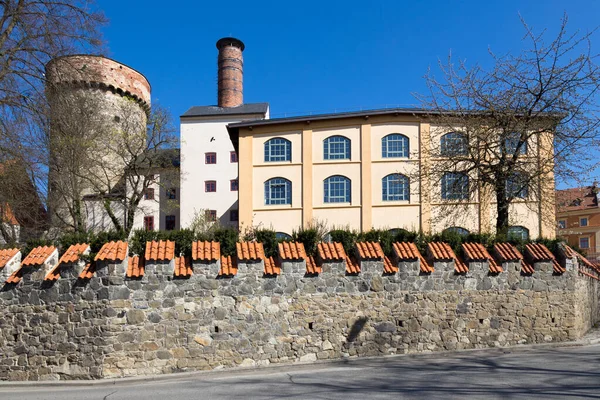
(562, 224)
(583, 221)
(584, 242)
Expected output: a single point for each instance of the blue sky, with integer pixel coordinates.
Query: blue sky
(314, 57)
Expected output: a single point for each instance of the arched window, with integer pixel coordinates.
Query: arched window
(283, 236)
(456, 229)
(395, 187)
(396, 231)
(278, 149)
(336, 148)
(394, 146)
(511, 142)
(336, 189)
(518, 232)
(278, 191)
(517, 185)
(454, 144)
(455, 186)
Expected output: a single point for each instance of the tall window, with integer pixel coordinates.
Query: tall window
(455, 186)
(517, 185)
(584, 242)
(170, 222)
(211, 215)
(171, 194)
(456, 229)
(234, 215)
(336, 148)
(583, 221)
(518, 232)
(149, 194)
(511, 142)
(210, 158)
(233, 157)
(149, 223)
(233, 185)
(395, 187)
(454, 144)
(278, 149)
(210, 186)
(337, 189)
(278, 191)
(394, 146)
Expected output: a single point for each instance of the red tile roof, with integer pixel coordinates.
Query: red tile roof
(88, 271)
(573, 199)
(539, 252)
(250, 251)
(406, 251)
(507, 252)
(388, 266)
(73, 252)
(228, 266)
(271, 267)
(38, 256)
(6, 255)
(112, 251)
(370, 251)
(291, 251)
(183, 267)
(54, 274)
(163, 250)
(135, 267)
(526, 268)
(443, 252)
(478, 252)
(351, 266)
(206, 251)
(311, 266)
(331, 251)
(559, 269)
(15, 277)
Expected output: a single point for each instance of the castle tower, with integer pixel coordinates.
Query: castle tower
(93, 100)
(230, 72)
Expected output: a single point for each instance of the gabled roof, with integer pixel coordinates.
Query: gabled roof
(6, 255)
(209, 111)
(39, 255)
(206, 251)
(135, 267)
(331, 251)
(73, 252)
(112, 251)
(580, 198)
(162, 250)
(248, 251)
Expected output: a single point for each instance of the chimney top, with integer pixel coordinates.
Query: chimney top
(230, 41)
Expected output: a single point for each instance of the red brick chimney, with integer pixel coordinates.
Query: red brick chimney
(231, 72)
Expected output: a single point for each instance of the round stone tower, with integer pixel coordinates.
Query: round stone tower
(98, 113)
(230, 72)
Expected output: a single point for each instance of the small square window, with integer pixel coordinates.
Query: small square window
(170, 222)
(233, 157)
(149, 223)
(234, 215)
(171, 194)
(584, 242)
(210, 186)
(210, 158)
(149, 194)
(583, 221)
(234, 185)
(562, 224)
(211, 215)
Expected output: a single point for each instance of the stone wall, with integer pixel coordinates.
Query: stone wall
(111, 326)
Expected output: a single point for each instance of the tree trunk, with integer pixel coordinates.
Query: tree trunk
(502, 205)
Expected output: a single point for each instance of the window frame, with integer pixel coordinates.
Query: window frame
(341, 198)
(511, 141)
(562, 224)
(451, 195)
(231, 185)
(513, 187)
(210, 185)
(149, 223)
(233, 213)
(587, 222)
(270, 153)
(449, 146)
(522, 229)
(211, 215)
(233, 158)
(171, 194)
(269, 190)
(330, 141)
(170, 219)
(210, 158)
(149, 194)
(459, 230)
(393, 138)
(403, 183)
(586, 238)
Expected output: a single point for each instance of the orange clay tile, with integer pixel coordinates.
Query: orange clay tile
(370, 251)
(406, 251)
(539, 252)
(88, 271)
(206, 251)
(112, 251)
(54, 274)
(388, 266)
(248, 251)
(478, 252)
(582, 272)
(311, 266)
(331, 251)
(15, 277)
(163, 250)
(135, 267)
(73, 252)
(6, 255)
(559, 269)
(291, 251)
(228, 266)
(183, 267)
(38, 256)
(507, 252)
(526, 268)
(570, 253)
(441, 251)
(352, 267)
(271, 267)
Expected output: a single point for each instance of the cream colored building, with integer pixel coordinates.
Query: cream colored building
(361, 170)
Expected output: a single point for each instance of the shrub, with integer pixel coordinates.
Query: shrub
(227, 237)
(310, 236)
(346, 236)
(384, 237)
(268, 238)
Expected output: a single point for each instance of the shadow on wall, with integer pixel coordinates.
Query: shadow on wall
(357, 327)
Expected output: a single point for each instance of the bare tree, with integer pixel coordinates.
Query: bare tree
(497, 134)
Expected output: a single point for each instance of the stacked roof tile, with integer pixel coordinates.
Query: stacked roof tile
(331, 251)
(73, 252)
(538, 252)
(443, 252)
(311, 266)
(15, 277)
(271, 267)
(291, 251)
(559, 269)
(352, 267)
(53, 275)
(88, 271)
(6, 255)
(370, 251)
(38, 256)
(183, 267)
(206, 251)
(135, 267)
(163, 250)
(250, 251)
(112, 251)
(409, 252)
(507, 252)
(388, 266)
(228, 266)
(478, 252)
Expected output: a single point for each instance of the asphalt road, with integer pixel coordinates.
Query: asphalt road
(550, 373)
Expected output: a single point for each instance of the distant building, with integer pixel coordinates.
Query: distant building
(578, 218)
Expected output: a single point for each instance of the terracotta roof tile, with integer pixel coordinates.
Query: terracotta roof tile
(54, 274)
(507, 252)
(73, 252)
(370, 251)
(580, 198)
(589, 275)
(38, 256)
(271, 267)
(478, 252)
(250, 251)
(135, 267)
(163, 250)
(570, 253)
(291, 251)
(88, 271)
(352, 267)
(206, 251)
(406, 251)
(311, 266)
(6, 255)
(460, 267)
(331, 251)
(559, 269)
(15, 277)
(526, 268)
(112, 251)
(183, 267)
(388, 266)
(228, 266)
(539, 252)
(443, 252)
